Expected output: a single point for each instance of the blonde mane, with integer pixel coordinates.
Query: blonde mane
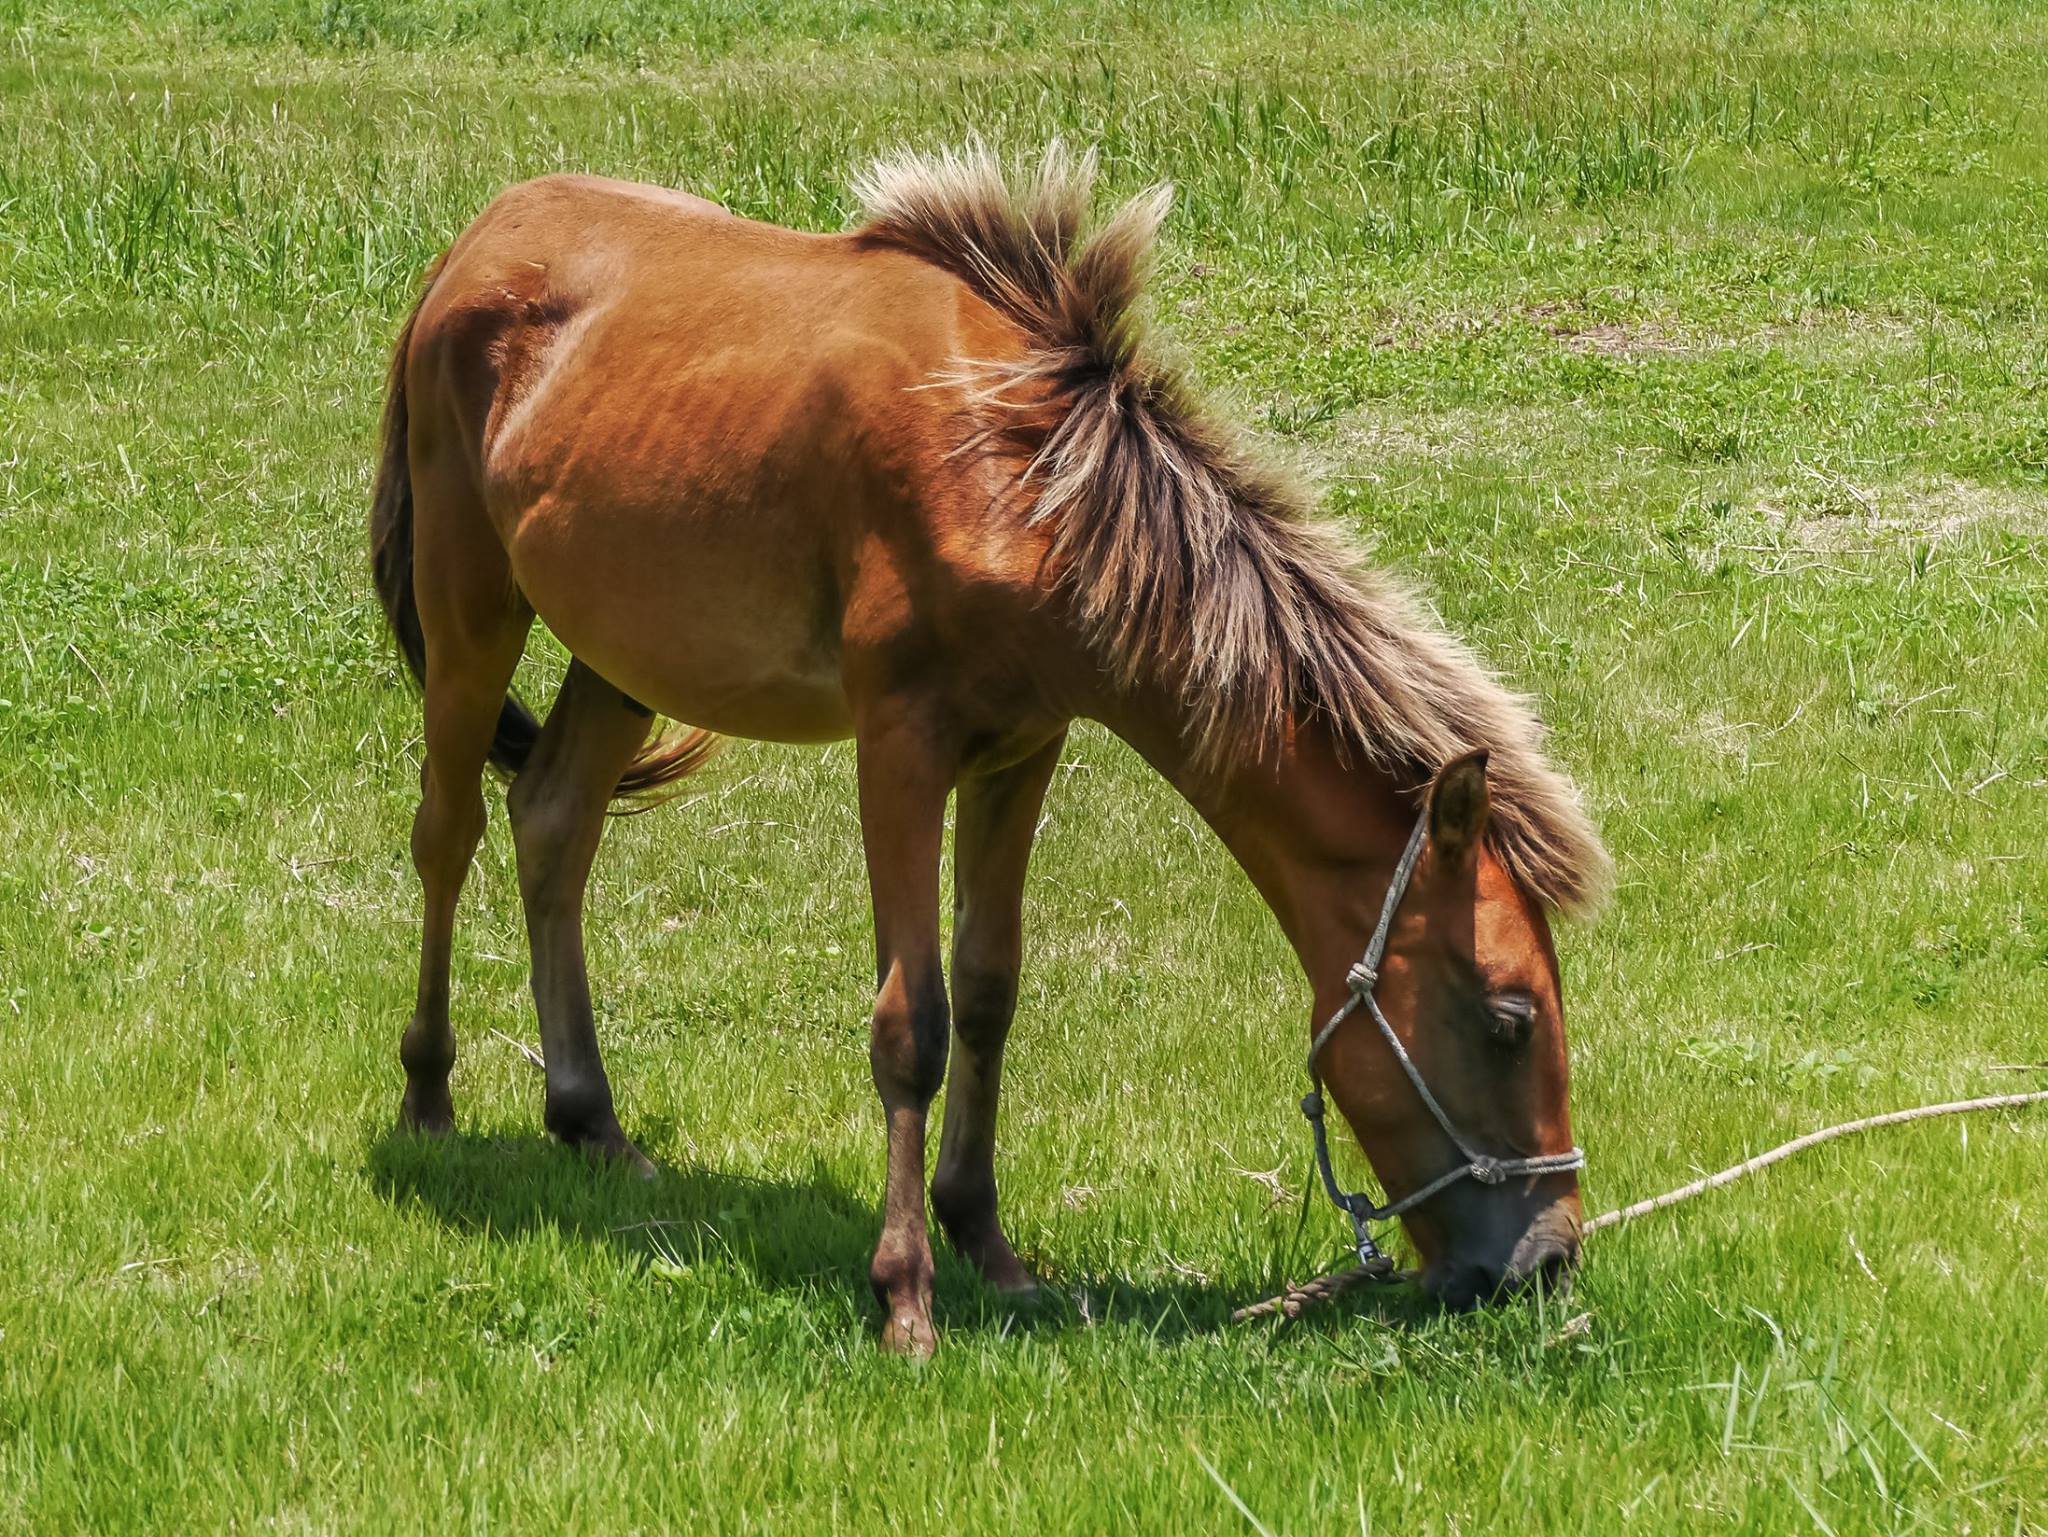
(1189, 558)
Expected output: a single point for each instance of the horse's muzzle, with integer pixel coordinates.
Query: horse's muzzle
(1544, 1260)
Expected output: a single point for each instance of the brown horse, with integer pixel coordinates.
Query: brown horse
(928, 484)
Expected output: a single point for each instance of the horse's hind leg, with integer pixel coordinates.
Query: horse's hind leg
(557, 806)
(994, 824)
(475, 625)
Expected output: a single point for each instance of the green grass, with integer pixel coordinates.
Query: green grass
(1693, 358)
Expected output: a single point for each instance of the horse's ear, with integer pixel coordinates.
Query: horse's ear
(1458, 807)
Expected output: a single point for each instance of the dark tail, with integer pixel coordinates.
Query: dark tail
(391, 506)
(664, 760)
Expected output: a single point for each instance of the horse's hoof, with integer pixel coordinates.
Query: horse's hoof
(596, 1135)
(909, 1334)
(1012, 1281)
(1005, 1274)
(1001, 1271)
(616, 1151)
(426, 1115)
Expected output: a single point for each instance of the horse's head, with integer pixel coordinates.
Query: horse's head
(1469, 983)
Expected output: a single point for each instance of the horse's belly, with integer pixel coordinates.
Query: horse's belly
(733, 634)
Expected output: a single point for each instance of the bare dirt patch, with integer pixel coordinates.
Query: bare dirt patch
(1512, 434)
(1572, 328)
(1825, 511)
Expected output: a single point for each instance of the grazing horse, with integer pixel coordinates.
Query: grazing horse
(929, 484)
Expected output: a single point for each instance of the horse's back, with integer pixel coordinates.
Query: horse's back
(629, 300)
(693, 434)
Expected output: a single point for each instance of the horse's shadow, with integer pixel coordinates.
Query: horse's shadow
(805, 1234)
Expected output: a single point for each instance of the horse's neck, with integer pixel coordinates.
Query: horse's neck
(1317, 830)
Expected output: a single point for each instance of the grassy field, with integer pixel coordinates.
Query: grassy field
(1692, 358)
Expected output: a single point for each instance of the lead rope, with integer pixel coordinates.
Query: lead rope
(1292, 1302)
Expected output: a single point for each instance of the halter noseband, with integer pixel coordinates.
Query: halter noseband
(1363, 978)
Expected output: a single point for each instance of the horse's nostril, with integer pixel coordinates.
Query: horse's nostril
(1552, 1269)
(1463, 1287)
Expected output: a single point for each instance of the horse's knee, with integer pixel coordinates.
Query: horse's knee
(527, 809)
(545, 825)
(984, 1003)
(907, 1039)
(446, 830)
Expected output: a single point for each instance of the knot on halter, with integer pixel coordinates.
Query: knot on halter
(1362, 979)
(1487, 1170)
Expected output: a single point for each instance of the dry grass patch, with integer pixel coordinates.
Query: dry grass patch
(1823, 511)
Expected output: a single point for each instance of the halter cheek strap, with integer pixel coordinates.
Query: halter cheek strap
(1363, 980)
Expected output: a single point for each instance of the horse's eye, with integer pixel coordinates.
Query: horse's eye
(1513, 1017)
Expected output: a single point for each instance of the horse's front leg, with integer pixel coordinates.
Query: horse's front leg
(906, 772)
(993, 829)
